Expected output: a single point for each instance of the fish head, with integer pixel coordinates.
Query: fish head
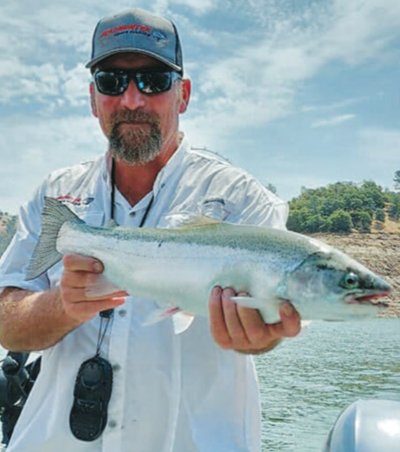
(329, 285)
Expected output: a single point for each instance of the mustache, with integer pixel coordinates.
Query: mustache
(134, 116)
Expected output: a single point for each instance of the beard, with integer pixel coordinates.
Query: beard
(137, 145)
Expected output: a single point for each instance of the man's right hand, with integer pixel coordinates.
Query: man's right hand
(80, 274)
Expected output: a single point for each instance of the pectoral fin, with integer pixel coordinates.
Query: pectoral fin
(249, 302)
(101, 287)
(181, 321)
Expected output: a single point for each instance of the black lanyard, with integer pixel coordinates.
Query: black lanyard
(93, 385)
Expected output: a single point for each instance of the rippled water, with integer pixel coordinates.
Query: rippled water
(308, 380)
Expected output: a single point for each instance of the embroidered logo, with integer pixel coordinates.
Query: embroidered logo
(78, 201)
(134, 28)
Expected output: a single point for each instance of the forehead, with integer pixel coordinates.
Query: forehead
(130, 60)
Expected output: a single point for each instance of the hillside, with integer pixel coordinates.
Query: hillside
(379, 251)
(7, 230)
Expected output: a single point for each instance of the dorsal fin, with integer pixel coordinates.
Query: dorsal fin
(184, 220)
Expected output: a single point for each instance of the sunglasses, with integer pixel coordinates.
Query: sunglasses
(114, 82)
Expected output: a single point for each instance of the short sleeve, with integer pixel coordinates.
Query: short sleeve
(15, 260)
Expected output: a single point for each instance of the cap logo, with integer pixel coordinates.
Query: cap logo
(134, 28)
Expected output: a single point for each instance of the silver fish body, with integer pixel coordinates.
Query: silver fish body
(178, 268)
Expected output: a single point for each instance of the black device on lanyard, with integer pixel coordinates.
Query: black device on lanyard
(93, 384)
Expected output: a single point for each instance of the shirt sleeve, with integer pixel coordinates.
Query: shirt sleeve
(255, 205)
(15, 260)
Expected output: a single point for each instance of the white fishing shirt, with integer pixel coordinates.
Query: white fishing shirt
(171, 393)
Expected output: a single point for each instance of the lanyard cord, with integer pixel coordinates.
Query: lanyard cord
(107, 315)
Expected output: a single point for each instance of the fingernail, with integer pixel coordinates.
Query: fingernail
(97, 267)
(216, 291)
(228, 291)
(288, 309)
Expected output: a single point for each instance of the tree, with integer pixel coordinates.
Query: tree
(380, 215)
(340, 221)
(396, 180)
(271, 188)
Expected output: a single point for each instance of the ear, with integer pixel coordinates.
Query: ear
(186, 89)
(93, 100)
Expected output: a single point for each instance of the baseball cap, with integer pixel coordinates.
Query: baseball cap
(137, 31)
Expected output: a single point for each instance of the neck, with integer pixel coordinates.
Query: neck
(135, 181)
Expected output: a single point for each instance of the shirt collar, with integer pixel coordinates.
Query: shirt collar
(167, 171)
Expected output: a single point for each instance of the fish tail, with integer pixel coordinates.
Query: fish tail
(45, 255)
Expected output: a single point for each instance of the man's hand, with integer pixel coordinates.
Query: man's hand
(242, 329)
(81, 273)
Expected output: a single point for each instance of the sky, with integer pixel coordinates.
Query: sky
(300, 93)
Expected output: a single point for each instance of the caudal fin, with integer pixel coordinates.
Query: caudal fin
(54, 215)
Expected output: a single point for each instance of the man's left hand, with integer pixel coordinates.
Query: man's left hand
(234, 327)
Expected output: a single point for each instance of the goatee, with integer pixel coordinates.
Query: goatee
(135, 145)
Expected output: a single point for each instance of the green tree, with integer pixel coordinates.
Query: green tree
(394, 208)
(340, 222)
(380, 215)
(396, 180)
(315, 223)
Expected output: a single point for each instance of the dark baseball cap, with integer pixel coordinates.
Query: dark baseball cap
(138, 31)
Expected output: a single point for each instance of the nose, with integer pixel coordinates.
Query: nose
(132, 98)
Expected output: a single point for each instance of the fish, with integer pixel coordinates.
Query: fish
(178, 267)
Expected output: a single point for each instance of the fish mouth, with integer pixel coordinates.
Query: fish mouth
(369, 299)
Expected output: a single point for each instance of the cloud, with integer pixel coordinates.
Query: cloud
(334, 106)
(257, 80)
(332, 121)
(36, 147)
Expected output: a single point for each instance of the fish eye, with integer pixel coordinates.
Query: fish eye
(350, 281)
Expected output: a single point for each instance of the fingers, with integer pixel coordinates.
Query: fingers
(80, 274)
(217, 320)
(78, 262)
(83, 311)
(290, 320)
(243, 329)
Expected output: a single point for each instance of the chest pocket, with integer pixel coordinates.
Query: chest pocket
(216, 208)
(90, 218)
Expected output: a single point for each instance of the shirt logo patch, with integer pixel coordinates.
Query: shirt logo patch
(78, 201)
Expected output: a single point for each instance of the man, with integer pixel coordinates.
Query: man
(193, 392)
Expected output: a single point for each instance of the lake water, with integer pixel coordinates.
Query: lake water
(307, 381)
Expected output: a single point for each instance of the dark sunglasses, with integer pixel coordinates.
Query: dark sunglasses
(114, 82)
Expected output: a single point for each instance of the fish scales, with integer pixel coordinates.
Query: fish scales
(178, 268)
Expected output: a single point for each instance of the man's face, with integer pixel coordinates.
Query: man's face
(139, 126)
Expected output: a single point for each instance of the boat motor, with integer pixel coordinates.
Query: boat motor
(366, 426)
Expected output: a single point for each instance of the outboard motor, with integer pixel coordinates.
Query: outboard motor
(16, 381)
(366, 426)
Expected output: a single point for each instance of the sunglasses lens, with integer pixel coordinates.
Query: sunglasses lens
(115, 83)
(110, 83)
(153, 82)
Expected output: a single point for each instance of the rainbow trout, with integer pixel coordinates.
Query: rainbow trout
(178, 268)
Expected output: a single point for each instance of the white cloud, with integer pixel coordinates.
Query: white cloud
(334, 106)
(32, 149)
(260, 81)
(332, 121)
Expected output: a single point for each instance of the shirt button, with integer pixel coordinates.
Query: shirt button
(116, 367)
(122, 312)
(132, 214)
(112, 424)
